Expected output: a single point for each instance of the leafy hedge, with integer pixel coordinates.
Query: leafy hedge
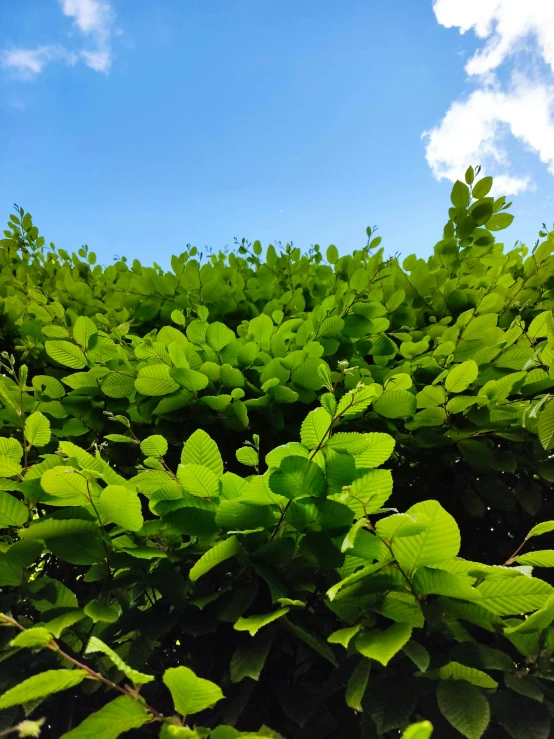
(198, 523)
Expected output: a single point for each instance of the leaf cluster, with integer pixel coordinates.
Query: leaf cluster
(286, 490)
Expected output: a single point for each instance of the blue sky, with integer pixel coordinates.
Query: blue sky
(137, 127)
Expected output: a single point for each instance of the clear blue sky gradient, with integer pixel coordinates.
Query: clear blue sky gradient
(268, 119)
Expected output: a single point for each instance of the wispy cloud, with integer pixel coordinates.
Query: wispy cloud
(93, 20)
(478, 128)
(29, 62)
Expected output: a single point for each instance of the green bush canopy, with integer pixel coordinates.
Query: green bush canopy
(279, 494)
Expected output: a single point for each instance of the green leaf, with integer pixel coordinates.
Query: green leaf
(418, 654)
(10, 574)
(354, 403)
(154, 446)
(460, 403)
(218, 335)
(427, 417)
(348, 442)
(11, 448)
(53, 528)
(403, 608)
(219, 553)
(101, 612)
(32, 638)
(120, 438)
(12, 511)
(481, 212)
(307, 374)
(83, 329)
(401, 524)
(191, 694)
(421, 730)
(456, 671)
(512, 596)
(154, 379)
(431, 396)
(112, 720)
(499, 221)
(541, 528)
(276, 456)
(546, 426)
(368, 493)
(198, 480)
(353, 578)
(75, 550)
(86, 460)
(249, 659)
(122, 506)
(357, 684)
(37, 429)
(464, 707)
(66, 353)
(297, 477)
(460, 195)
(537, 621)
(378, 449)
(24, 553)
(118, 385)
(439, 541)
(247, 455)
(344, 636)
(396, 404)
(349, 540)
(431, 581)
(539, 558)
(315, 428)
(201, 449)
(58, 624)
(9, 467)
(253, 624)
(190, 379)
(66, 484)
(538, 326)
(41, 686)
(482, 187)
(332, 254)
(461, 376)
(260, 329)
(138, 678)
(383, 645)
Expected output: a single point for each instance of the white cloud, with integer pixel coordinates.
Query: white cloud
(477, 129)
(509, 26)
(29, 62)
(99, 60)
(91, 16)
(93, 19)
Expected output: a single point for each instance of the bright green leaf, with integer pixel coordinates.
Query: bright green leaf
(191, 694)
(383, 645)
(37, 429)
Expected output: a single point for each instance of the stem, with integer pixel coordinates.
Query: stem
(103, 532)
(510, 560)
(54, 647)
(283, 514)
(389, 547)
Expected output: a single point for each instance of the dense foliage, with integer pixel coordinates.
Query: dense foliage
(199, 533)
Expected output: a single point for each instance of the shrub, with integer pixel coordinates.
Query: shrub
(196, 481)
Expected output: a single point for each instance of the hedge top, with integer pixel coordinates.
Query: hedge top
(196, 481)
